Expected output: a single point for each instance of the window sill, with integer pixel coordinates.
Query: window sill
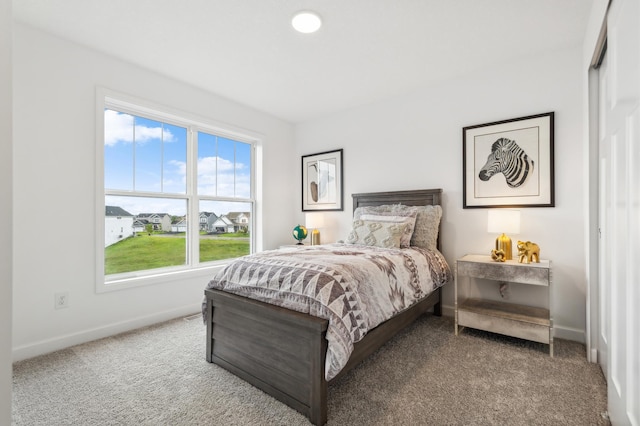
(208, 271)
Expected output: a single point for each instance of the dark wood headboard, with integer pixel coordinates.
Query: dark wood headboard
(420, 197)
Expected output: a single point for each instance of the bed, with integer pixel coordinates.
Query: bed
(286, 353)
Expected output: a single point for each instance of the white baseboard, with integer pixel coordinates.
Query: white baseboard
(448, 310)
(568, 333)
(66, 341)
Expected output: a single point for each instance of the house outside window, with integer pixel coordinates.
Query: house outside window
(168, 173)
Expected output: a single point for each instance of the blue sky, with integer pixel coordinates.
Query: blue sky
(146, 155)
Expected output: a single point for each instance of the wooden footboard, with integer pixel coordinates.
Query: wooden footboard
(283, 352)
(277, 350)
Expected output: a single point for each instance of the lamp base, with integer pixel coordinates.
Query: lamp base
(504, 243)
(315, 238)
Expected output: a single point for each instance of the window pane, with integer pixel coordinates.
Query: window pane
(207, 153)
(226, 167)
(175, 159)
(153, 153)
(243, 170)
(224, 230)
(148, 155)
(118, 150)
(143, 233)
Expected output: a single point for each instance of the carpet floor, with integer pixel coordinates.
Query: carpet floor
(426, 375)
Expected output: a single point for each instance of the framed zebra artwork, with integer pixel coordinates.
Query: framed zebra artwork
(509, 163)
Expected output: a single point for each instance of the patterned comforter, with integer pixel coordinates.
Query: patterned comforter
(355, 287)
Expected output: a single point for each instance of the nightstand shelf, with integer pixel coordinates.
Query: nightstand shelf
(511, 319)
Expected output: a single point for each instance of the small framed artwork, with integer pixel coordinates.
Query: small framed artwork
(509, 163)
(322, 181)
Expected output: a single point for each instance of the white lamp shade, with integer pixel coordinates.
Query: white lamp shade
(314, 220)
(503, 221)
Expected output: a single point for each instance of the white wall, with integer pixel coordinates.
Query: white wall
(54, 151)
(415, 142)
(6, 211)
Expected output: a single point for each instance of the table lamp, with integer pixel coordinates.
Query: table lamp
(504, 221)
(313, 222)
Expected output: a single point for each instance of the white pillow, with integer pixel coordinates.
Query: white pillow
(409, 221)
(388, 213)
(377, 234)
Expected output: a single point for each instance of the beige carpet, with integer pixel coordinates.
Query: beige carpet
(425, 376)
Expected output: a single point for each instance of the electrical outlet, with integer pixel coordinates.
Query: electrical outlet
(61, 300)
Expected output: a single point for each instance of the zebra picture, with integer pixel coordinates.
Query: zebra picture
(509, 159)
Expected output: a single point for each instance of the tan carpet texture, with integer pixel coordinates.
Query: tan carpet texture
(424, 376)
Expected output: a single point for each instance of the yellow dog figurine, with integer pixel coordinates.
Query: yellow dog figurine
(528, 252)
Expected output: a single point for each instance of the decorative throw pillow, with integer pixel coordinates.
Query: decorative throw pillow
(389, 213)
(408, 222)
(425, 232)
(377, 234)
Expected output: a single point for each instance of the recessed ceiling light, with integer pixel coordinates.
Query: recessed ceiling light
(306, 22)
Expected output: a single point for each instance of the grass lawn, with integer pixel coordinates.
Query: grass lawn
(156, 251)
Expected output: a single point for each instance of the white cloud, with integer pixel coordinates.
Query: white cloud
(216, 172)
(207, 165)
(181, 167)
(118, 127)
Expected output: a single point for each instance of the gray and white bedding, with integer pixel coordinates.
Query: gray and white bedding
(355, 287)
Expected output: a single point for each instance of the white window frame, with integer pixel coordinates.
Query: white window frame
(106, 98)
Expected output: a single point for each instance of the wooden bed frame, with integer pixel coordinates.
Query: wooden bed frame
(282, 352)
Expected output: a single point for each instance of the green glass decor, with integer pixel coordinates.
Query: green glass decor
(300, 233)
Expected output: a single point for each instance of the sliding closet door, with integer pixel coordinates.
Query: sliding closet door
(604, 253)
(620, 212)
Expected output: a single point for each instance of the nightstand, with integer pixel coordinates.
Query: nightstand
(516, 320)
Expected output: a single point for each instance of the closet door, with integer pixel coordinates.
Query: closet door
(619, 251)
(604, 250)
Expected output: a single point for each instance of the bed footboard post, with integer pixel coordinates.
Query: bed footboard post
(209, 324)
(319, 386)
(437, 308)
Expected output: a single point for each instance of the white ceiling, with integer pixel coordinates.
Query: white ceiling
(367, 50)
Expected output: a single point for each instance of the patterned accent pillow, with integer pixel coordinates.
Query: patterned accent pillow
(425, 232)
(377, 234)
(409, 222)
(387, 213)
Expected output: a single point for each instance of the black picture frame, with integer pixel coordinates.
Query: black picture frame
(509, 163)
(322, 186)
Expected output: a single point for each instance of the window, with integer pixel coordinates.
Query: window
(178, 191)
